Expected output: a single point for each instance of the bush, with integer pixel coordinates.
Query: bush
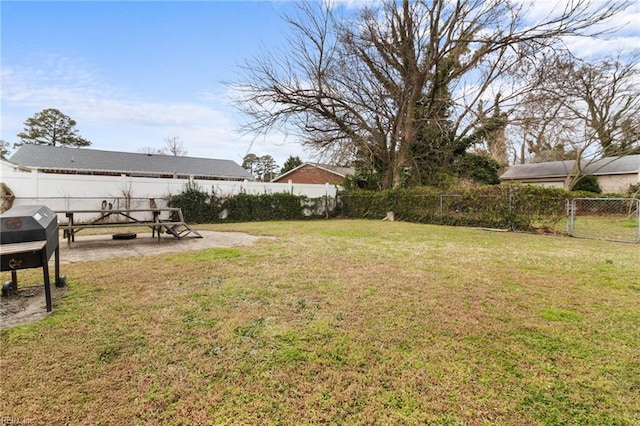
(518, 207)
(197, 205)
(200, 207)
(478, 168)
(588, 183)
(279, 206)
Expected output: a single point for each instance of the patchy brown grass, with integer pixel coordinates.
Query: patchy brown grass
(340, 322)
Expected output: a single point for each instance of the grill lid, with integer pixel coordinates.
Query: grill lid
(27, 223)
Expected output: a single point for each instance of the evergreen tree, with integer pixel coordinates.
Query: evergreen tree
(51, 127)
(291, 163)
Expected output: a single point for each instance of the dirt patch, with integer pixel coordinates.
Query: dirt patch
(101, 247)
(28, 305)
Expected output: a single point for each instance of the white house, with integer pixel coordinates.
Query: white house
(614, 174)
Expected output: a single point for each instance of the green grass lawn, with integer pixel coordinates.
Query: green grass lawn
(621, 227)
(340, 322)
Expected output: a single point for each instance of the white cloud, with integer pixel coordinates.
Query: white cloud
(80, 93)
(357, 4)
(116, 118)
(620, 32)
(591, 48)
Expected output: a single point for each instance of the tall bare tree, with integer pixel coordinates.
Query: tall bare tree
(490, 137)
(370, 86)
(602, 98)
(543, 130)
(584, 110)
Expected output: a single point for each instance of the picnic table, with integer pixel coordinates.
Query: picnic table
(174, 224)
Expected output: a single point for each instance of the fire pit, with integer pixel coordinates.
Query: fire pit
(29, 237)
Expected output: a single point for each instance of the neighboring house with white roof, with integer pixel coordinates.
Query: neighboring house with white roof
(83, 161)
(614, 174)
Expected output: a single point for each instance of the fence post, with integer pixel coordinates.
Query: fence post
(36, 184)
(638, 220)
(512, 225)
(326, 200)
(569, 213)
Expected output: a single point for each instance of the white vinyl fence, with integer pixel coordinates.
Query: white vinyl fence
(57, 191)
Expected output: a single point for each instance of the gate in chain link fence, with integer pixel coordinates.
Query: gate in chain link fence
(616, 219)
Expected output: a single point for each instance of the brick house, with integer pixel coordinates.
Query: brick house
(316, 174)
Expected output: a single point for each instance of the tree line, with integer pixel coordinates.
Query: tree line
(265, 168)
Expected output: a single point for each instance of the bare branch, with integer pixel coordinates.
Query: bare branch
(382, 86)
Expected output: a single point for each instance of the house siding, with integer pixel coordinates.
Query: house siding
(618, 184)
(612, 184)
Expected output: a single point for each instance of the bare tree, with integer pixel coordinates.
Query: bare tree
(602, 97)
(150, 151)
(490, 137)
(372, 86)
(583, 111)
(174, 146)
(543, 129)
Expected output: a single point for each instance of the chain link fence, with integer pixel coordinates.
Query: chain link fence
(616, 219)
(515, 212)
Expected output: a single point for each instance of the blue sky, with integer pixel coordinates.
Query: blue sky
(133, 73)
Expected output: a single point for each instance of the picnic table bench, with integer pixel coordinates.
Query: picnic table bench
(124, 218)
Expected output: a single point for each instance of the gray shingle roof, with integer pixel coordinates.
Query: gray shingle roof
(629, 164)
(91, 160)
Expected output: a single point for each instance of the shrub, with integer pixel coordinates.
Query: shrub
(522, 207)
(587, 183)
(197, 205)
(279, 206)
(200, 207)
(478, 168)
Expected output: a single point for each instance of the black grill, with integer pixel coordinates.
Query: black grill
(29, 236)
